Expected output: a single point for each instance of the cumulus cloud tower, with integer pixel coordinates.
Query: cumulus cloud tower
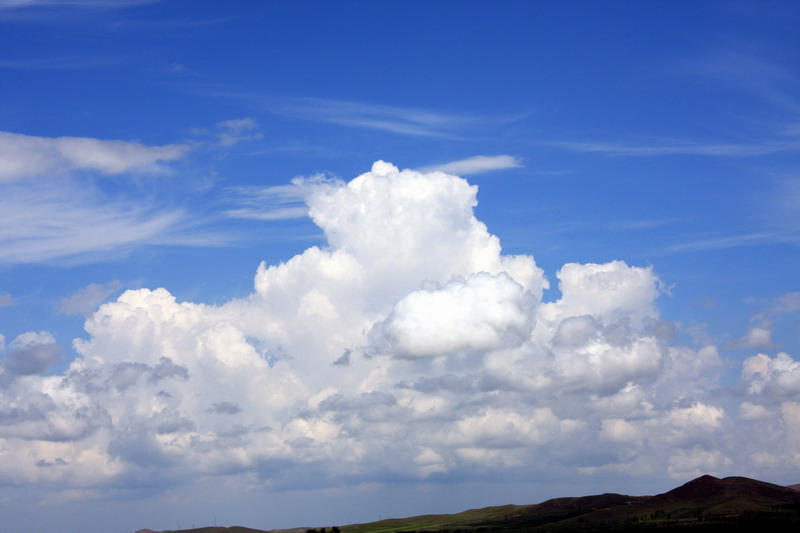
(408, 344)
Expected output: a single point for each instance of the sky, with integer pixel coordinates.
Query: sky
(282, 264)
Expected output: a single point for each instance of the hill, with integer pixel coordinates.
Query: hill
(214, 529)
(716, 496)
(705, 504)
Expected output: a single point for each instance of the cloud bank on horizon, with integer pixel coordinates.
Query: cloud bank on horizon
(409, 346)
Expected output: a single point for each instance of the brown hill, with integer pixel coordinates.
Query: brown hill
(212, 529)
(704, 504)
(731, 495)
(710, 487)
(707, 503)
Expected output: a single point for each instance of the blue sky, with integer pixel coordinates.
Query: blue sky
(616, 312)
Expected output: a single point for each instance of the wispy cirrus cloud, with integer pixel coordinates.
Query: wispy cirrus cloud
(67, 12)
(477, 165)
(677, 148)
(774, 219)
(646, 223)
(771, 125)
(59, 62)
(230, 132)
(41, 222)
(72, 219)
(89, 4)
(758, 74)
(372, 116)
(23, 156)
(278, 202)
(389, 118)
(721, 242)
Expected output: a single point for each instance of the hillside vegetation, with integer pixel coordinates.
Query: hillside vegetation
(705, 504)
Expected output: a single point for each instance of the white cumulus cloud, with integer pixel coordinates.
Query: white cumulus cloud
(409, 346)
(482, 313)
(779, 375)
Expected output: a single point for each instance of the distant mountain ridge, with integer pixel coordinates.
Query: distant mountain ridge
(706, 503)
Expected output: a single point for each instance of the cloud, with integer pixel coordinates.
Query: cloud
(778, 376)
(85, 301)
(750, 411)
(6, 300)
(76, 219)
(776, 220)
(86, 4)
(410, 347)
(42, 222)
(680, 148)
(477, 165)
(31, 353)
(756, 337)
(279, 202)
(60, 62)
(612, 290)
(759, 75)
(24, 156)
(786, 304)
(237, 130)
(480, 313)
(231, 132)
(364, 115)
(765, 236)
(399, 120)
(224, 408)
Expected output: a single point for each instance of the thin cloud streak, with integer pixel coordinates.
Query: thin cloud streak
(86, 4)
(41, 224)
(280, 202)
(772, 83)
(774, 218)
(393, 119)
(370, 116)
(70, 220)
(733, 241)
(477, 165)
(59, 63)
(720, 150)
(645, 223)
(283, 213)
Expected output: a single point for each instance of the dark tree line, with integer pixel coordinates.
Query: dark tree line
(334, 529)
